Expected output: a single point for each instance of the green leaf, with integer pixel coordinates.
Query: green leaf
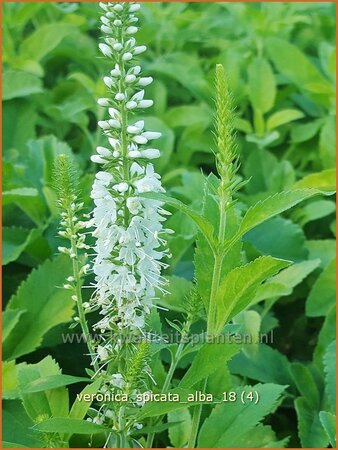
(45, 39)
(203, 224)
(10, 380)
(310, 431)
(329, 421)
(9, 320)
(229, 421)
(15, 240)
(280, 118)
(152, 409)
(239, 287)
(210, 357)
(53, 402)
(80, 406)
(314, 211)
(180, 433)
(204, 258)
(17, 83)
(267, 365)
(262, 85)
(327, 143)
(291, 62)
(323, 293)
(51, 306)
(52, 382)
(280, 238)
(28, 200)
(326, 335)
(330, 374)
(324, 181)
(306, 384)
(69, 426)
(17, 426)
(295, 274)
(178, 288)
(271, 206)
(323, 249)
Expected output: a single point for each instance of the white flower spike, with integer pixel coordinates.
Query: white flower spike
(127, 227)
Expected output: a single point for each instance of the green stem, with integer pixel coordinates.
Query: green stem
(216, 279)
(196, 417)
(173, 365)
(78, 293)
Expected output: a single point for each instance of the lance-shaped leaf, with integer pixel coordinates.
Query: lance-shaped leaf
(230, 420)
(239, 287)
(203, 224)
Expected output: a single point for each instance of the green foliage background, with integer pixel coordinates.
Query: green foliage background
(280, 61)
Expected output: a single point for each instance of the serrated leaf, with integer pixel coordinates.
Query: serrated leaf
(280, 238)
(282, 117)
(203, 224)
(80, 406)
(238, 288)
(267, 365)
(310, 430)
(53, 402)
(323, 293)
(180, 433)
(209, 358)
(52, 382)
(324, 181)
(69, 426)
(238, 418)
(178, 289)
(329, 422)
(152, 409)
(330, 374)
(17, 426)
(51, 306)
(9, 320)
(306, 384)
(10, 380)
(271, 206)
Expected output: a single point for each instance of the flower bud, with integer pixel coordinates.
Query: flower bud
(127, 56)
(118, 7)
(120, 96)
(140, 139)
(103, 151)
(145, 81)
(114, 123)
(145, 104)
(97, 159)
(103, 124)
(130, 78)
(106, 29)
(105, 49)
(117, 22)
(135, 7)
(131, 30)
(140, 49)
(118, 46)
(103, 101)
(152, 135)
(150, 153)
(109, 82)
(131, 105)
